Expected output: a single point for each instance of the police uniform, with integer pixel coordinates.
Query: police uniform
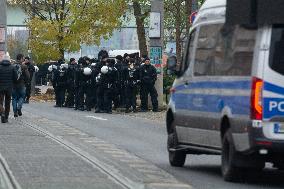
(105, 90)
(148, 76)
(71, 72)
(60, 82)
(119, 94)
(131, 83)
(84, 82)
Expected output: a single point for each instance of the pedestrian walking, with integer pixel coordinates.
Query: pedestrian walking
(31, 70)
(8, 77)
(19, 89)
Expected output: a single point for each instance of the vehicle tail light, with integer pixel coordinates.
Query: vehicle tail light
(172, 90)
(256, 99)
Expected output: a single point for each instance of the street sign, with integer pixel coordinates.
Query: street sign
(156, 58)
(192, 17)
(155, 25)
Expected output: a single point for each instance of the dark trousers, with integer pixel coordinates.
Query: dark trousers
(70, 100)
(130, 97)
(116, 96)
(94, 96)
(108, 94)
(145, 91)
(77, 97)
(82, 92)
(56, 93)
(28, 91)
(89, 97)
(5, 99)
(61, 96)
(100, 98)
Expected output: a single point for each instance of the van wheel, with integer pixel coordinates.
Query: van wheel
(176, 158)
(230, 172)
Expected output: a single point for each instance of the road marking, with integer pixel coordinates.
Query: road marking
(98, 118)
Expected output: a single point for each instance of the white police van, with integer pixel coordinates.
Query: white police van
(228, 97)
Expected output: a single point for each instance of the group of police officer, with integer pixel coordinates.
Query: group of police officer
(105, 83)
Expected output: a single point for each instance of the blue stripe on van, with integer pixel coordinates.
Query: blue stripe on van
(211, 102)
(273, 88)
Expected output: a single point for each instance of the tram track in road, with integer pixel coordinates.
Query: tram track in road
(120, 165)
(7, 179)
(112, 173)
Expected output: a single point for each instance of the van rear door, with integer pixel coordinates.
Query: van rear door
(273, 76)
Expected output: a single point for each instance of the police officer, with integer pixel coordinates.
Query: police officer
(28, 84)
(84, 81)
(89, 85)
(148, 76)
(71, 72)
(54, 77)
(78, 72)
(109, 79)
(100, 81)
(60, 83)
(131, 83)
(96, 67)
(119, 100)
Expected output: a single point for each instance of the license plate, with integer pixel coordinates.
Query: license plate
(278, 128)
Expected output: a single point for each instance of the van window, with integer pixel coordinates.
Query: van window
(276, 59)
(233, 54)
(186, 59)
(206, 44)
(189, 52)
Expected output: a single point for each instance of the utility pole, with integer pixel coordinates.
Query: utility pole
(156, 33)
(3, 28)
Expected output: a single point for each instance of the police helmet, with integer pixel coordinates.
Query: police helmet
(36, 69)
(50, 68)
(64, 66)
(87, 71)
(104, 69)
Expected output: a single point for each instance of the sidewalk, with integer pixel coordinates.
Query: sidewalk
(38, 162)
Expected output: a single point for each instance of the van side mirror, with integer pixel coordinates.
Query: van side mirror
(172, 65)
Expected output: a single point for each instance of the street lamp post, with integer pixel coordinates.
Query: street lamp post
(3, 28)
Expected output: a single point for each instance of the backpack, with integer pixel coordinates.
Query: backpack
(19, 72)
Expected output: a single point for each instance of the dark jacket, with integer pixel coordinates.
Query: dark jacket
(8, 76)
(148, 74)
(25, 77)
(31, 70)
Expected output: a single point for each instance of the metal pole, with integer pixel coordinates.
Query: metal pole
(3, 28)
(33, 83)
(156, 44)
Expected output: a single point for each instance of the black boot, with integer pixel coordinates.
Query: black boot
(3, 118)
(20, 112)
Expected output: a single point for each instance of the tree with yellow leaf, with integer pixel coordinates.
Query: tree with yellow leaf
(59, 26)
